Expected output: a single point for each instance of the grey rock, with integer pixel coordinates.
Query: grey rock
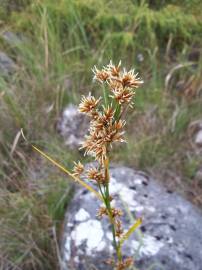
(73, 126)
(198, 138)
(170, 237)
(198, 176)
(195, 132)
(140, 57)
(7, 65)
(13, 38)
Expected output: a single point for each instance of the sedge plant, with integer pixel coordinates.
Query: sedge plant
(107, 127)
(107, 123)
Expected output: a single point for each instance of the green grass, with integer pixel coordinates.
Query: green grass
(62, 43)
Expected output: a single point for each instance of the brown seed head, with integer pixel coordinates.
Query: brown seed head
(95, 174)
(117, 212)
(113, 70)
(115, 85)
(95, 146)
(114, 133)
(94, 114)
(100, 75)
(102, 134)
(119, 229)
(104, 130)
(104, 119)
(124, 264)
(78, 168)
(88, 104)
(102, 212)
(123, 95)
(129, 79)
(108, 113)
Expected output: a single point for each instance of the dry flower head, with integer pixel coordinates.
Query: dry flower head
(78, 168)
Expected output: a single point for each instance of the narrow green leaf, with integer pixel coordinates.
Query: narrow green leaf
(130, 231)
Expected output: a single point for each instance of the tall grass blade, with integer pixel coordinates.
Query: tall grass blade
(67, 172)
(77, 179)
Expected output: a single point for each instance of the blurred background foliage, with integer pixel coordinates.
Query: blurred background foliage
(55, 46)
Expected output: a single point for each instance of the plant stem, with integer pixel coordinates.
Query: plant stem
(109, 209)
(117, 111)
(105, 94)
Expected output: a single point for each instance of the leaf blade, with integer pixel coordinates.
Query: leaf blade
(77, 179)
(130, 231)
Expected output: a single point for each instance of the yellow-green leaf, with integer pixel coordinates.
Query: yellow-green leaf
(130, 231)
(77, 179)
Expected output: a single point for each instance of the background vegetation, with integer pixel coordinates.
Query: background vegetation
(58, 43)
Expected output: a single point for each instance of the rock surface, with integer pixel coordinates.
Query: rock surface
(7, 65)
(195, 132)
(12, 38)
(73, 126)
(198, 138)
(170, 237)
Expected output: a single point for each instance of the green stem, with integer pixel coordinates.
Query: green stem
(101, 191)
(108, 206)
(105, 96)
(117, 111)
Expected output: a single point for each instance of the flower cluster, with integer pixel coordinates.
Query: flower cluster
(78, 168)
(121, 265)
(128, 262)
(106, 127)
(115, 212)
(121, 82)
